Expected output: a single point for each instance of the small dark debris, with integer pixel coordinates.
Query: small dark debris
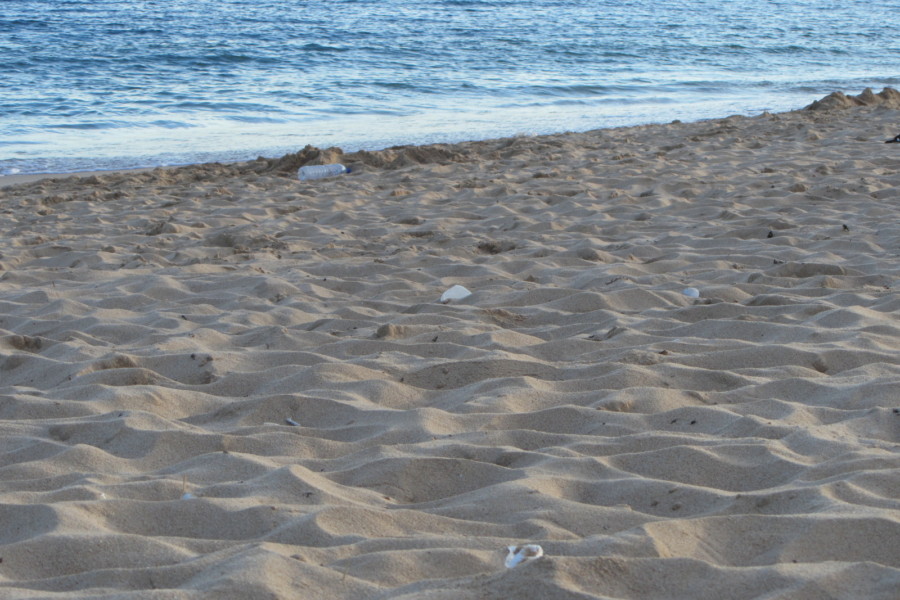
(844, 226)
(193, 357)
(490, 247)
(664, 352)
(771, 234)
(184, 317)
(694, 422)
(434, 339)
(673, 421)
(775, 261)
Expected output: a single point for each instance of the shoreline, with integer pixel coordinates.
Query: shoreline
(370, 141)
(24, 178)
(337, 152)
(888, 97)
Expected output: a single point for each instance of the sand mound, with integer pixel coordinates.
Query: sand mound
(887, 98)
(395, 157)
(310, 155)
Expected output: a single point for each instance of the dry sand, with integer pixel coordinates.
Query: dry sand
(158, 329)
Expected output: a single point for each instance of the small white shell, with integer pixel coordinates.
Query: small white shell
(457, 292)
(691, 292)
(524, 553)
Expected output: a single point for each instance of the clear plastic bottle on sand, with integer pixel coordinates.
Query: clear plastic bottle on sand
(309, 172)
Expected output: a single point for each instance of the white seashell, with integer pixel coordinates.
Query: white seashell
(457, 292)
(524, 553)
(691, 292)
(292, 422)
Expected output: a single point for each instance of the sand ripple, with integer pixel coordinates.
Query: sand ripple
(158, 330)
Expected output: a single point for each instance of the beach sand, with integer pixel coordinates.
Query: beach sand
(220, 382)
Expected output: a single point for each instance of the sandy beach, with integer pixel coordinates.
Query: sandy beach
(218, 381)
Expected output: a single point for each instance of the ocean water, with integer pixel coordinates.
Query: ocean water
(117, 84)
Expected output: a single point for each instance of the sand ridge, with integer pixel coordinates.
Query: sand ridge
(159, 329)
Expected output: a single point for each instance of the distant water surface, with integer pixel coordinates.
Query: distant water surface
(115, 84)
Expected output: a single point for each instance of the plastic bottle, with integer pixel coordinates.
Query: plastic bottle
(309, 172)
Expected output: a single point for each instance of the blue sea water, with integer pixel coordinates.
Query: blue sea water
(105, 84)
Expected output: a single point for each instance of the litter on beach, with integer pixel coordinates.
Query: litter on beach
(520, 554)
(457, 292)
